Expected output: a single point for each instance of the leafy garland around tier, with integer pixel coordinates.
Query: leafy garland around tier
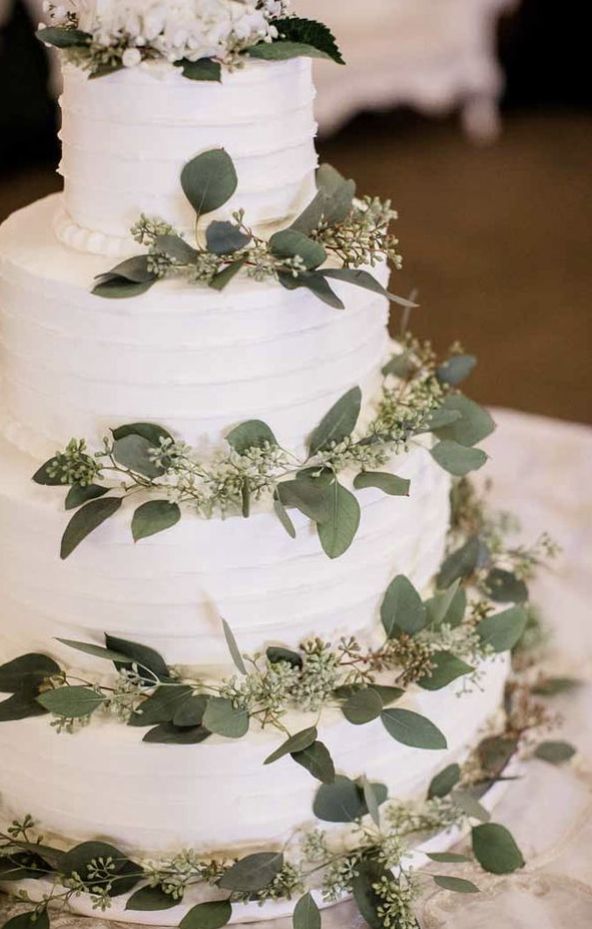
(283, 37)
(316, 865)
(333, 226)
(419, 396)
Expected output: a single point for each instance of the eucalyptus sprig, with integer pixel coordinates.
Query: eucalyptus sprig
(145, 458)
(334, 226)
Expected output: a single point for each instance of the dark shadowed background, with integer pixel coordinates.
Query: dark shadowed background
(496, 238)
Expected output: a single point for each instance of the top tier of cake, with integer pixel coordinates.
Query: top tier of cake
(127, 136)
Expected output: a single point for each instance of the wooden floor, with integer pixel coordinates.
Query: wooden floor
(496, 239)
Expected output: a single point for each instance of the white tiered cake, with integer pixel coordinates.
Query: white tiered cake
(198, 362)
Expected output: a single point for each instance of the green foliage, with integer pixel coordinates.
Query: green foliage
(457, 459)
(367, 281)
(474, 425)
(204, 69)
(445, 781)
(33, 920)
(462, 562)
(222, 718)
(295, 743)
(466, 801)
(150, 664)
(317, 761)
(495, 849)
(71, 702)
(363, 706)
(137, 453)
(283, 50)
(502, 631)
(26, 673)
(176, 248)
(86, 520)
(252, 434)
(457, 885)
(162, 706)
(85, 860)
(338, 531)
(446, 668)
(554, 686)
(555, 752)
(306, 914)
(402, 610)
(64, 37)
(412, 729)
(343, 801)
(289, 243)
(338, 424)
(153, 517)
(212, 915)
(383, 480)
(253, 873)
(209, 181)
(224, 238)
(456, 369)
(311, 33)
(447, 857)
(130, 278)
(149, 899)
(78, 495)
(504, 587)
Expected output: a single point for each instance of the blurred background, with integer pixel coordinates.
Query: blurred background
(475, 117)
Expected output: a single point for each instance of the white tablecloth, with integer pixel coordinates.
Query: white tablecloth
(542, 471)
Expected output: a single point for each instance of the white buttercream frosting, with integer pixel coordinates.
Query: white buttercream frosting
(127, 136)
(188, 357)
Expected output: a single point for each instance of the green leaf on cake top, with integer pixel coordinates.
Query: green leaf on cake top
(334, 228)
(298, 38)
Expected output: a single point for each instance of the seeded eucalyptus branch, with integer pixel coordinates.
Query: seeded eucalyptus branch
(146, 458)
(353, 233)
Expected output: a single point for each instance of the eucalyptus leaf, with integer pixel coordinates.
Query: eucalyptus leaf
(446, 669)
(224, 277)
(283, 515)
(387, 694)
(153, 517)
(86, 520)
(43, 477)
(447, 857)
(363, 706)
(371, 800)
(97, 651)
(276, 653)
(469, 804)
(204, 69)
(154, 434)
(338, 531)
(290, 243)
(343, 801)
(307, 495)
(442, 784)
(209, 181)
(495, 752)
(495, 849)
(383, 480)
(120, 288)
(135, 270)
(20, 706)
(26, 672)
(440, 418)
(251, 434)
(223, 718)
(224, 238)
(150, 899)
(455, 884)
(369, 874)
(504, 587)
(316, 283)
(402, 610)
(169, 734)
(474, 425)
(295, 743)
(253, 873)
(306, 914)
(190, 712)
(233, 648)
(32, 920)
(144, 657)
(463, 562)
(78, 495)
(212, 915)
(64, 37)
(81, 859)
(444, 602)
(502, 631)
(71, 702)
(161, 706)
(367, 281)
(176, 248)
(338, 424)
(317, 760)
(412, 729)
(456, 369)
(310, 218)
(136, 453)
(554, 752)
(457, 459)
(553, 686)
(401, 366)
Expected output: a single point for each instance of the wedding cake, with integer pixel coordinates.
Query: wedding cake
(280, 676)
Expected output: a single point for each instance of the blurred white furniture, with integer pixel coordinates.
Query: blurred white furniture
(433, 55)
